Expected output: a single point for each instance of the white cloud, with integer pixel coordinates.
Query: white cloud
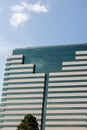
(21, 12)
(17, 8)
(18, 19)
(37, 7)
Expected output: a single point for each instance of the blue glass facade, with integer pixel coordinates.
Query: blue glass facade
(48, 82)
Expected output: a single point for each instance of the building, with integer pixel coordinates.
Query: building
(48, 82)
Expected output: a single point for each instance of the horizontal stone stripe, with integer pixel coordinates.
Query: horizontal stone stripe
(66, 122)
(20, 66)
(25, 80)
(74, 119)
(67, 89)
(14, 120)
(68, 84)
(21, 101)
(24, 85)
(21, 88)
(20, 109)
(14, 56)
(65, 105)
(68, 100)
(52, 128)
(30, 103)
(66, 111)
(67, 117)
(17, 117)
(21, 93)
(14, 61)
(80, 57)
(64, 114)
(22, 106)
(25, 75)
(68, 78)
(81, 52)
(75, 63)
(24, 90)
(65, 128)
(11, 123)
(75, 68)
(69, 94)
(68, 73)
(18, 70)
(23, 112)
(9, 128)
(22, 96)
(15, 123)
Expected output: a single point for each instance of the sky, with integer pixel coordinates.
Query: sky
(29, 23)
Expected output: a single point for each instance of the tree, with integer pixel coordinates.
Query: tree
(28, 123)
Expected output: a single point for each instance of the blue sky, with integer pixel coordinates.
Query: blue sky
(25, 23)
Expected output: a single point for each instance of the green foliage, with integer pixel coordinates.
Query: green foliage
(28, 123)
